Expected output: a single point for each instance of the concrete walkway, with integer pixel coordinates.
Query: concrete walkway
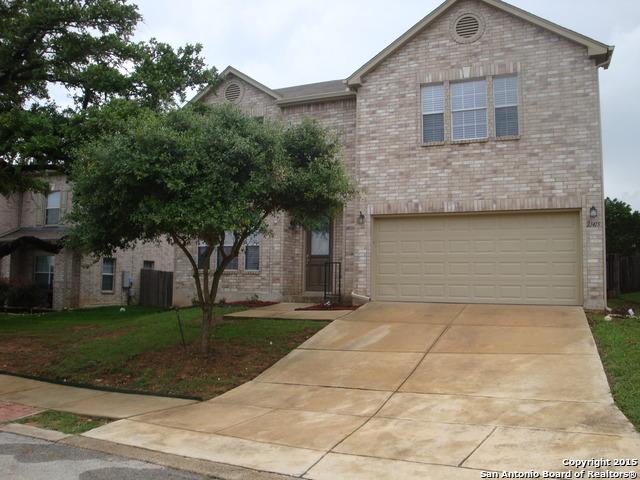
(424, 391)
(82, 401)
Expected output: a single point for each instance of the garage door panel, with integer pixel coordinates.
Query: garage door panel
(512, 258)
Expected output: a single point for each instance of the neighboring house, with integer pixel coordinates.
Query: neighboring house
(475, 143)
(31, 230)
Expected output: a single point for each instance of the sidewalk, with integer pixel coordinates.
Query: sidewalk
(83, 401)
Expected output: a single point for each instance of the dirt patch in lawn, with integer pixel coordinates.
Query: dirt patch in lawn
(240, 351)
(185, 372)
(25, 355)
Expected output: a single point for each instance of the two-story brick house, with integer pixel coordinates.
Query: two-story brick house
(32, 227)
(475, 142)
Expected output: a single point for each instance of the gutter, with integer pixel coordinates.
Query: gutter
(316, 98)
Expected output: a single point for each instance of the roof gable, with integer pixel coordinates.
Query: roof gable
(597, 50)
(242, 76)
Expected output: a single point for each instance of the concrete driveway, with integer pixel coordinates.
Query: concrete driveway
(398, 390)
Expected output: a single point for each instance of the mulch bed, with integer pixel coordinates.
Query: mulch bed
(320, 306)
(249, 303)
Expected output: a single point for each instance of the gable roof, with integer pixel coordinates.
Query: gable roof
(242, 76)
(597, 50)
(288, 95)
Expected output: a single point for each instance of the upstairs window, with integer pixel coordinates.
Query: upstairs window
(52, 212)
(108, 274)
(228, 245)
(432, 113)
(505, 99)
(469, 110)
(252, 253)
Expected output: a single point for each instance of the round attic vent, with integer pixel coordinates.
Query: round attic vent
(232, 92)
(467, 28)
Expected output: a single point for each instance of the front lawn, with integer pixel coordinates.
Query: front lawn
(619, 345)
(141, 348)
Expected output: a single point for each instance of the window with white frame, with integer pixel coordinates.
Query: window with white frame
(43, 274)
(108, 274)
(469, 110)
(432, 113)
(202, 253)
(228, 245)
(252, 253)
(505, 99)
(52, 212)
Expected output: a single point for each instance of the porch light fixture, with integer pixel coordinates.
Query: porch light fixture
(593, 212)
(360, 218)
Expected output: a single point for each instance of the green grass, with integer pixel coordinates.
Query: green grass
(624, 300)
(141, 348)
(101, 340)
(619, 345)
(64, 422)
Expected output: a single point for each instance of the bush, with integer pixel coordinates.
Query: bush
(26, 295)
(4, 292)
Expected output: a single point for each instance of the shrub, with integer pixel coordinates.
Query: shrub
(26, 295)
(4, 292)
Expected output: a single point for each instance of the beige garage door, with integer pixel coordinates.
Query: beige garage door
(531, 258)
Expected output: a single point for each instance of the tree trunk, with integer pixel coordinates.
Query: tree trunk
(207, 317)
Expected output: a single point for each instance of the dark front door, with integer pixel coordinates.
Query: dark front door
(318, 253)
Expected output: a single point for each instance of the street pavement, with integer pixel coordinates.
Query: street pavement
(26, 458)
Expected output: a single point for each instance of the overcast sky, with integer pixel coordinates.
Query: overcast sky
(289, 42)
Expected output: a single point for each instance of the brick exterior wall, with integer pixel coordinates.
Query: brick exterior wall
(77, 279)
(555, 164)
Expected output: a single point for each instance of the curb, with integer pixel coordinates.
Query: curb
(35, 432)
(219, 471)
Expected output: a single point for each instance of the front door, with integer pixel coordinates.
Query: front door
(318, 253)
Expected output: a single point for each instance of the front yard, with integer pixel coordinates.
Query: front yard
(619, 346)
(141, 348)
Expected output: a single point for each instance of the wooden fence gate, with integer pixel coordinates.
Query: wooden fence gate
(156, 288)
(623, 274)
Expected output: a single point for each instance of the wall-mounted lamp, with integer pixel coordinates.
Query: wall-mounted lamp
(360, 219)
(593, 212)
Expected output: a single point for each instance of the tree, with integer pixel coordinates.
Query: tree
(82, 49)
(622, 227)
(192, 175)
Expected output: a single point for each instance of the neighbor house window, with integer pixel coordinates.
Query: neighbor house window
(505, 99)
(202, 253)
(52, 213)
(108, 274)
(252, 253)
(44, 271)
(228, 245)
(148, 264)
(432, 113)
(469, 110)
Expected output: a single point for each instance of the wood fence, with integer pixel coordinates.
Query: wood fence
(156, 288)
(623, 274)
